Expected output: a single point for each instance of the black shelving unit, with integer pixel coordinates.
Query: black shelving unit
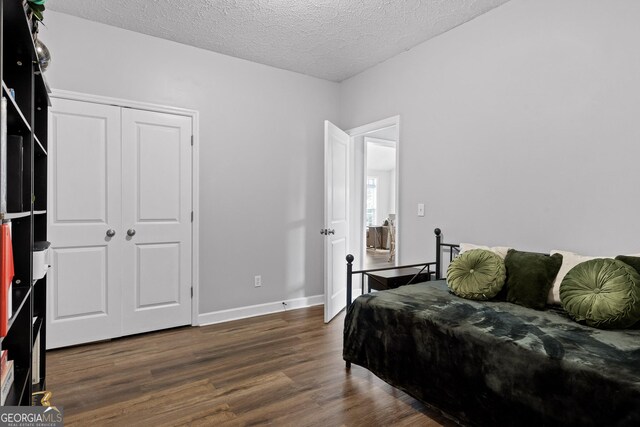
(27, 97)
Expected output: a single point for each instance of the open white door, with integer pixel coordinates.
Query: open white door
(336, 216)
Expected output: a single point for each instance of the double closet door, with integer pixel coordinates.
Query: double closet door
(120, 225)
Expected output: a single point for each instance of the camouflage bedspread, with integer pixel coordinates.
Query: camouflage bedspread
(495, 363)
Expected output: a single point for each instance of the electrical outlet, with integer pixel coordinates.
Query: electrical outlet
(257, 281)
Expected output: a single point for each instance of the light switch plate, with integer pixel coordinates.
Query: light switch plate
(420, 209)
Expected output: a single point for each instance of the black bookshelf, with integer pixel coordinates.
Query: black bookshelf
(27, 98)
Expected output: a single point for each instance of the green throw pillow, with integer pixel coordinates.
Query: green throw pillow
(633, 261)
(476, 274)
(603, 293)
(529, 277)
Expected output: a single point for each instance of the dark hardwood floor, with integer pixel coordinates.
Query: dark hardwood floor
(283, 369)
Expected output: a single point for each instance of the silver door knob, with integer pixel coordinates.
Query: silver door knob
(111, 232)
(332, 231)
(131, 232)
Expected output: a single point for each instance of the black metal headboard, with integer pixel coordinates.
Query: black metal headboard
(454, 250)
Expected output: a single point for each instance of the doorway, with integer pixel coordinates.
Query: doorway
(344, 230)
(380, 199)
(374, 192)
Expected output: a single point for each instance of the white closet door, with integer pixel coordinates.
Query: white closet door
(156, 192)
(83, 292)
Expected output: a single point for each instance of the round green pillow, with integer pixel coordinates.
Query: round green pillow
(603, 293)
(476, 274)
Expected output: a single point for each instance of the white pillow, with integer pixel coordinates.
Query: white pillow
(501, 251)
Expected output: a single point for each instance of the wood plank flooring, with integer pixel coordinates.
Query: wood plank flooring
(284, 369)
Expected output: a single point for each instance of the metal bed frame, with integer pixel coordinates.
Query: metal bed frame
(452, 248)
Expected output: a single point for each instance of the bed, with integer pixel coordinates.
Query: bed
(494, 363)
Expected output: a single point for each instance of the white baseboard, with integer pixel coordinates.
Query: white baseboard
(257, 310)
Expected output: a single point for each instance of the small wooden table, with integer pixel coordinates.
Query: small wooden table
(391, 279)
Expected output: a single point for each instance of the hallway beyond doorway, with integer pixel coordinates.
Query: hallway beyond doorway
(377, 258)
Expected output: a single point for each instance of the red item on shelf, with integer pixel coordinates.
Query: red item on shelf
(6, 276)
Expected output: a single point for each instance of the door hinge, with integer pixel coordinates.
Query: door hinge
(191, 291)
(192, 140)
(191, 216)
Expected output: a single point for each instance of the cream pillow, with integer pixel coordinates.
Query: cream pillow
(501, 251)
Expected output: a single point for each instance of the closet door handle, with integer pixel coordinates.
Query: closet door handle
(131, 232)
(111, 232)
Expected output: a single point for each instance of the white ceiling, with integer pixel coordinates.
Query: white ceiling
(381, 157)
(330, 39)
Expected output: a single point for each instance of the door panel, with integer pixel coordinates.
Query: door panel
(156, 286)
(338, 269)
(336, 219)
(73, 265)
(158, 173)
(156, 195)
(81, 190)
(84, 178)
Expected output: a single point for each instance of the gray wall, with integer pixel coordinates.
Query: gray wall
(521, 127)
(534, 108)
(261, 138)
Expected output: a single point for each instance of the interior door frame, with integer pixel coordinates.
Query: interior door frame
(363, 131)
(195, 171)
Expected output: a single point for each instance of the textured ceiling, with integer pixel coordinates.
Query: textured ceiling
(330, 39)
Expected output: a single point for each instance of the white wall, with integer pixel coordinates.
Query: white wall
(385, 198)
(520, 127)
(261, 135)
